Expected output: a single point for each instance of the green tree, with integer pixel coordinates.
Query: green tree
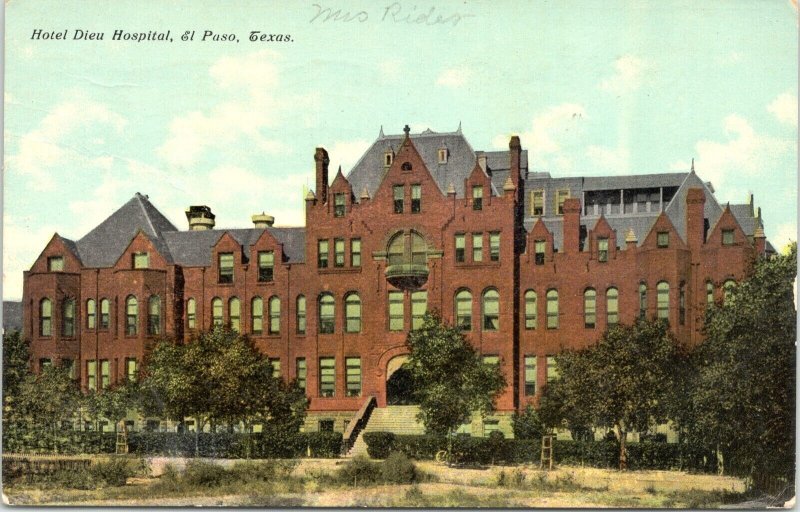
(46, 400)
(112, 404)
(16, 367)
(528, 424)
(623, 382)
(451, 380)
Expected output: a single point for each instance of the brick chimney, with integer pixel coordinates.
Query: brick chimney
(200, 218)
(571, 227)
(515, 148)
(760, 241)
(322, 161)
(695, 226)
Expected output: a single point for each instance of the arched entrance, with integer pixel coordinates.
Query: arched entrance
(399, 385)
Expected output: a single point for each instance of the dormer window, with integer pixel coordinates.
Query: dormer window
(338, 205)
(388, 157)
(602, 250)
(443, 155)
(141, 260)
(477, 197)
(226, 268)
(55, 264)
(561, 196)
(537, 202)
(727, 237)
(662, 239)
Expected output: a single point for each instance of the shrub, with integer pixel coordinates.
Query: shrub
(322, 444)
(261, 471)
(379, 444)
(358, 471)
(115, 471)
(398, 469)
(205, 474)
(528, 425)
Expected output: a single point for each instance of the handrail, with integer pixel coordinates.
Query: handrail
(358, 423)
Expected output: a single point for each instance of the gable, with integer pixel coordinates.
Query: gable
(58, 246)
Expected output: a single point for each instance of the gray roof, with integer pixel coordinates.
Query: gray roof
(193, 248)
(746, 218)
(676, 209)
(673, 179)
(12, 315)
(71, 245)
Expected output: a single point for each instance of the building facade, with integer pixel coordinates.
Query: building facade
(526, 264)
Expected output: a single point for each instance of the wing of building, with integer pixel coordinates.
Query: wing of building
(527, 264)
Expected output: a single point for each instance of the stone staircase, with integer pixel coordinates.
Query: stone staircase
(398, 419)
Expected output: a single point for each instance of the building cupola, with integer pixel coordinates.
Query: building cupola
(262, 220)
(200, 218)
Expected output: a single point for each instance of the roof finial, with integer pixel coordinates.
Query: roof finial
(692, 164)
(459, 127)
(407, 130)
(381, 135)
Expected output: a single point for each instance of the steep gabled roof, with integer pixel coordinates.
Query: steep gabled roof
(194, 248)
(676, 209)
(745, 217)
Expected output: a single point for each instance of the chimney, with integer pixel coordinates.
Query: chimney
(262, 220)
(515, 149)
(571, 226)
(695, 225)
(200, 218)
(760, 241)
(322, 161)
(481, 159)
(630, 240)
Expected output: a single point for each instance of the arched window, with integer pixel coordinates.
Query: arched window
(419, 250)
(727, 288)
(154, 316)
(662, 300)
(68, 318)
(642, 300)
(352, 313)
(491, 310)
(274, 315)
(45, 317)
(327, 313)
(589, 308)
(709, 293)
(552, 309)
(235, 313)
(530, 309)
(612, 306)
(257, 315)
(105, 313)
(191, 314)
(464, 310)
(397, 249)
(131, 316)
(91, 314)
(216, 312)
(301, 314)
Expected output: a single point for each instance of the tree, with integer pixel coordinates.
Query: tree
(46, 400)
(743, 390)
(112, 404)
(16, 367)
(528, 424)
(451, 380)
(623, 382)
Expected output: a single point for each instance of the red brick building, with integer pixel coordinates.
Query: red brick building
(528, 264)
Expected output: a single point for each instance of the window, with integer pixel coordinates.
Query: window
(419, 306)
(490, 426)
(352, 367)
(338, 252)
(662, 239)
(327, 313)
(91, 374)
(68, 318)
(491, 360)
(274, 315)
(416, 198)
(69, 365)
(45, 363)
(537, 202)
(561, 196)
(419, 250)
(326, 425)
(216, 312)
(301, 314)
(355, 252)
(477, 246)
(191, 314)
(602, 250)
(727, 288)
(275, 362)
(460, 248)
(322, 254)
(301, 372)
(226, 268)
(477, 197)
(494, 246)
(642, 300)
(141, 260)
(398, 192)
(387, 158)
(709, 293)
(105, 316)
(682, 304)
(55, 264)
(154, 316)
(131, 369)
(235, 314)
(552, 309)
(45, 317)
(442, 155)
(397, 250)
(105, 374)
(91, 314)
(589, 308)
(530, 309)
(396, 311)
(538, 252)
(338, 205)
(530, 375)
(257, 315)
(406, 166)
(266, 266)
(662, 300)
(552, 369)
(464, 310)
(352, 313)
(327, 376)
(491, 310)
(727, 237)
(612, 306)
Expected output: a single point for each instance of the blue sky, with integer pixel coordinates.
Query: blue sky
(592, 88)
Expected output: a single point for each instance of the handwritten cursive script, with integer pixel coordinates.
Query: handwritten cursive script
(395, 12)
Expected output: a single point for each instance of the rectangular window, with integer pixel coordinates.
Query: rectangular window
(131, 369)
(105, 314)
(105, 373)
(91, 374)
(460, 248)
(338, 252)
(727, 237)
(353, 376)
(226, 268)
(355, 252)
(552, 309)
(416, 198)
(141, 260)
(561, 196)
(490, 426)
(494, 246)
(602, 250)
(326, 425)
(275, 362)
(662, 239)
(538, 246)
(477, 246)
(642, 300)
(91, 314)
(530, 310)
(55, 264)
(191, 314)
(69, 364)
(396, 313)
(301, 315)
(477, 197)
(398, 192)
(300, 365)
(338, 205)
(493, 360)
(45, 363)
(419, 305)
(442, 156)
(266, 266)
(322, 254)
(530, 375)
(327, 376)
(552, 369)
(537, 202)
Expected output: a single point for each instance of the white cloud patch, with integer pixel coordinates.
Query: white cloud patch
(454, 77)
(781, 235)
(629, 74)
(346, 153)
(23, 241)
(614, 160)
(784, 108)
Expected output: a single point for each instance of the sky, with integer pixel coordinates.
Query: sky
(591, 87)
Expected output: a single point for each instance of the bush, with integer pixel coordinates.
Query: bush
(398, 469)
(205, 474)
(358, 471)
(528, 425)
(114, 472)
(379, 444)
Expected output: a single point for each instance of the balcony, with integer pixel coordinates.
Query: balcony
(407, 275)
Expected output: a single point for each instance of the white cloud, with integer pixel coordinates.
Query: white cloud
(454, 77)
(614, 160)
(784, 108)
(629, 75)
(23, 241)
(783, 234)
